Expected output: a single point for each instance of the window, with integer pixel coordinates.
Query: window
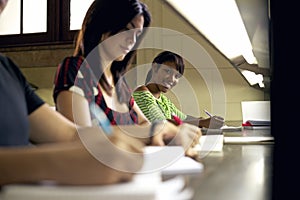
(41, 21)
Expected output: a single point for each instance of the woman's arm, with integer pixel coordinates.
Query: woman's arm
(47, 125)
(72, 163)
(142, 119)
(74, 107)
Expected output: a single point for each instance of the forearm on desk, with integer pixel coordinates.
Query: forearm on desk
(65, 163)
(23, 165)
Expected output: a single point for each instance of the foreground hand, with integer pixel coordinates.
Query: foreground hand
(95, 159)
(190, 136)
(186, 135)
(103, 160)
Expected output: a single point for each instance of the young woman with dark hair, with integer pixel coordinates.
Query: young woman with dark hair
(167, 68)
(105, 47)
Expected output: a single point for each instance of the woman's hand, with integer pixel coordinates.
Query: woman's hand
(214, 122)
(190, 136)
(95, 159)
(186, 135)
(116, 157)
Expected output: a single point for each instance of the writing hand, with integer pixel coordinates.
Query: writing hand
(214, 122)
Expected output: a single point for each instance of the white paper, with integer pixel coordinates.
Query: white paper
(170, 160)
(210, 143)
(248, 140)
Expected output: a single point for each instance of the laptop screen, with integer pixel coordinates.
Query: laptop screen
(256, 110)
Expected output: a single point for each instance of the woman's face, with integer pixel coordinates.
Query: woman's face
(166, 76)
(116, 47)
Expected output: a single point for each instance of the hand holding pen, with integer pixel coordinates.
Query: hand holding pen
(213, 122)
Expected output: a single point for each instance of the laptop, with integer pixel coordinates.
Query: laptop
(256, 114)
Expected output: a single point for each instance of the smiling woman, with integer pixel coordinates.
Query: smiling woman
(167, 68)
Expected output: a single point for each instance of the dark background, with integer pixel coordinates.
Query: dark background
(285, 98)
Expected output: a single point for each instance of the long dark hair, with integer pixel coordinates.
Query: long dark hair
(109, 16)
(167, 56)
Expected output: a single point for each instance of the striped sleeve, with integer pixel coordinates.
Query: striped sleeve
(147, 103)
(173, 109)
(65, 75)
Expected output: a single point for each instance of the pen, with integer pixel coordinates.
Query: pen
(176, 119)
(101, 118)
(210, 115)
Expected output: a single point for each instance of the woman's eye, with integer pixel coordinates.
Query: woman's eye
(133, 31)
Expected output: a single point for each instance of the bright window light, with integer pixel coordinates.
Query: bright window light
(78, 11)
(253, 78)
(10, 21)
(34, 21)
(221, 23)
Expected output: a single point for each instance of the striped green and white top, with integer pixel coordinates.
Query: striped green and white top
(156, 109)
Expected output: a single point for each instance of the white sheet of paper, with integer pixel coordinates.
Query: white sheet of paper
(170, 160)
(210, 143)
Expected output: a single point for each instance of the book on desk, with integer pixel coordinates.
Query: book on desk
(213, 140)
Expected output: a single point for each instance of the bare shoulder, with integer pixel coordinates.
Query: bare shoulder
(141, 88)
